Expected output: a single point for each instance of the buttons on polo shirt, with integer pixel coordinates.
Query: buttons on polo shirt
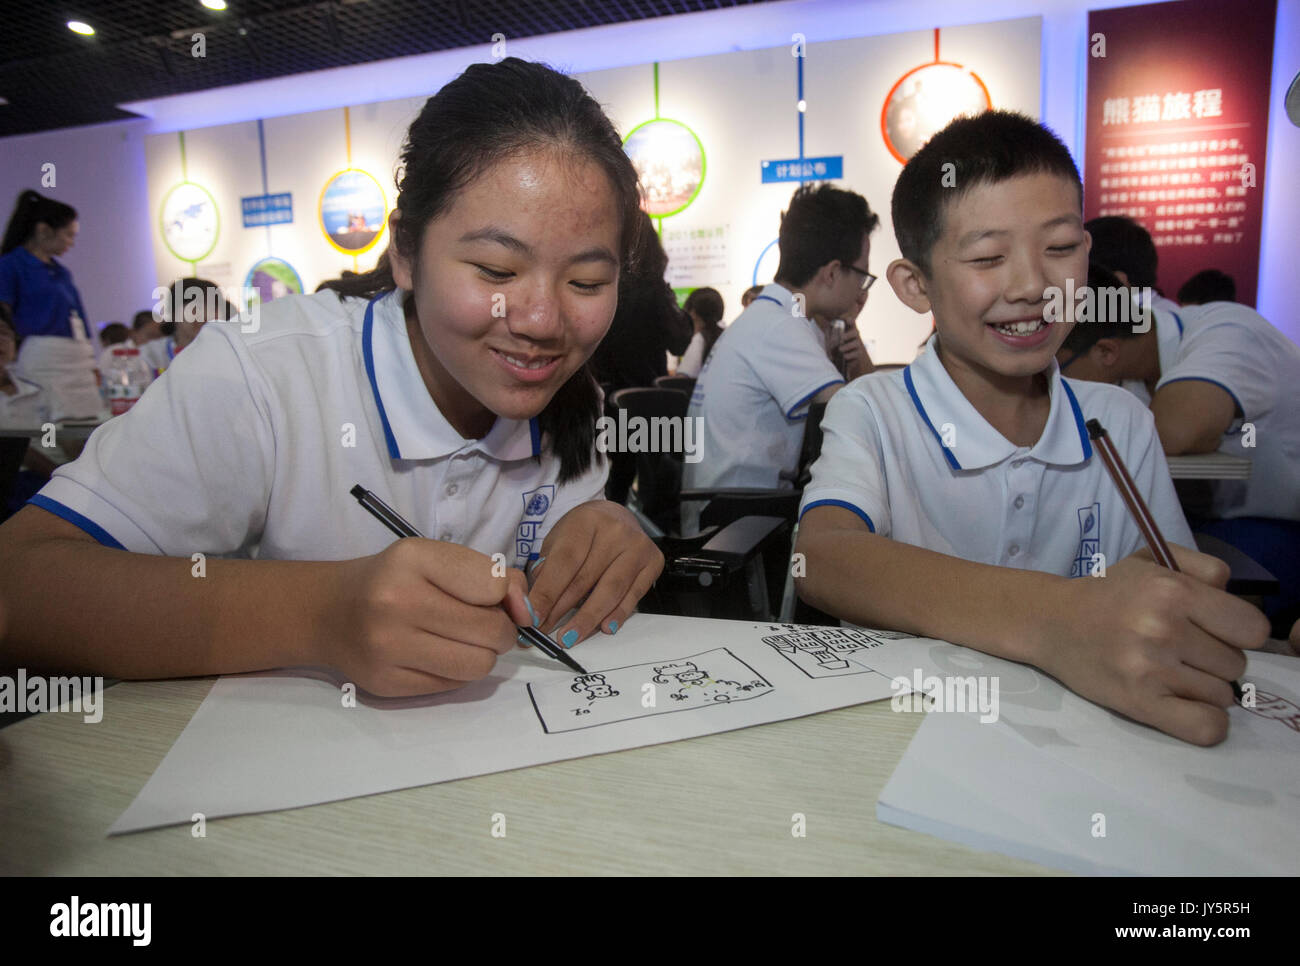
(1013, 550)
(1016, 464)
(445, 536)
(452, 488)
(1019, 502)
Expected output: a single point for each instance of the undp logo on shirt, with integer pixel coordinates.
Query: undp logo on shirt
(536, 504)
(1089, 539)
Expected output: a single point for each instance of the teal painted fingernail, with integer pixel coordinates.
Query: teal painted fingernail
(532, 613)
(570, 638)
(537, 564)
(613, 627)
(523, 640)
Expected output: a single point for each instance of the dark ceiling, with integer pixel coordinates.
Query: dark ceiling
(54, 78)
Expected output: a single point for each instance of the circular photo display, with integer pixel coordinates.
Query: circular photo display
(353, 211)
(669, 160)
(190, 222)
(270, 279)
(924, 100)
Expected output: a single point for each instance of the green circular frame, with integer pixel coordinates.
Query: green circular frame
(265, 258)
(704, 161)
(162, 228)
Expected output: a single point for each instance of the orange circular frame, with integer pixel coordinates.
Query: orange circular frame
(884, 109)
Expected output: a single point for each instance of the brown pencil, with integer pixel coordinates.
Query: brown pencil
(1132, 497)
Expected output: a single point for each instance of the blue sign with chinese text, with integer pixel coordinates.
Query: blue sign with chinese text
(806, 169)
(262, 210)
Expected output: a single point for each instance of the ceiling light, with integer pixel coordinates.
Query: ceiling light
(77, 27)
(214, 4)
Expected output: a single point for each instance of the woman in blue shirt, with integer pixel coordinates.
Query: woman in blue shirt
(39, 300)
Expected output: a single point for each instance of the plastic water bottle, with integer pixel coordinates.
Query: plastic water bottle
(125, 379)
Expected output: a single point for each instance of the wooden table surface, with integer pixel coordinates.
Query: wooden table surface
(721, 804)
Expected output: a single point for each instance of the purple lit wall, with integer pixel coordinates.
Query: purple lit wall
(113, 185)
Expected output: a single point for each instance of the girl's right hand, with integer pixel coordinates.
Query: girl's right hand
(1159, 646)
(422, 616)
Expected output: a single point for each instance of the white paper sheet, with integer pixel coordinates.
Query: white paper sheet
(1053, 761)
(982, 786)
(264, 742)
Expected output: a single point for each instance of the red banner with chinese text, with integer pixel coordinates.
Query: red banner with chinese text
(1177, 130)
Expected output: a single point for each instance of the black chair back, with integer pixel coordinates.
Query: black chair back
(658, 473)
(812, 443)
(684, 384)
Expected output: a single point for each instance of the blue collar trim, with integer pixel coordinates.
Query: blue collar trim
(1078, 419)
(367, 350)
(916, 401)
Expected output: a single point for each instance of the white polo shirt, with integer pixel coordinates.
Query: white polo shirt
(249, 443)
(159, 353)
(693, 358)
(1241, 352)
(1046, 507)
(753, 394)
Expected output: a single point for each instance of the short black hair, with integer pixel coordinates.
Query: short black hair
(982, 149)
(1210, 285)
(141, 319)
(115, 333)
(823, 224)
(1103, 322)
(190, 297)
(1122, 245)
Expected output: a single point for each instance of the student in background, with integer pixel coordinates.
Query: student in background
(704, 306)
(648, 327)
(1210, 285)
(191, 304)
(844, 342)
(452, 384)
(115, 333)
(41, 303)
(772, 362)
(751, 293)
(1219, 378)
(145, 328)
(956, 498)
(1123, 246)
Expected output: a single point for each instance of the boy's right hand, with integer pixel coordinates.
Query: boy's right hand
(422, 616)
(1158, 646)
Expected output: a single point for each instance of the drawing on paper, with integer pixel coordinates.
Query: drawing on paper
(1269, 705)
(593, 686)
(821, 652)
(620, 694)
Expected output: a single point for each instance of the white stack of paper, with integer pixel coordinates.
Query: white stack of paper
(1061, 781)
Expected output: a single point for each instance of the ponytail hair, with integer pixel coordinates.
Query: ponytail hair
(488, 114)
(707, 304)
(30, 210)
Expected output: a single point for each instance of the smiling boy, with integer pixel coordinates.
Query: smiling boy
(963, 492)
